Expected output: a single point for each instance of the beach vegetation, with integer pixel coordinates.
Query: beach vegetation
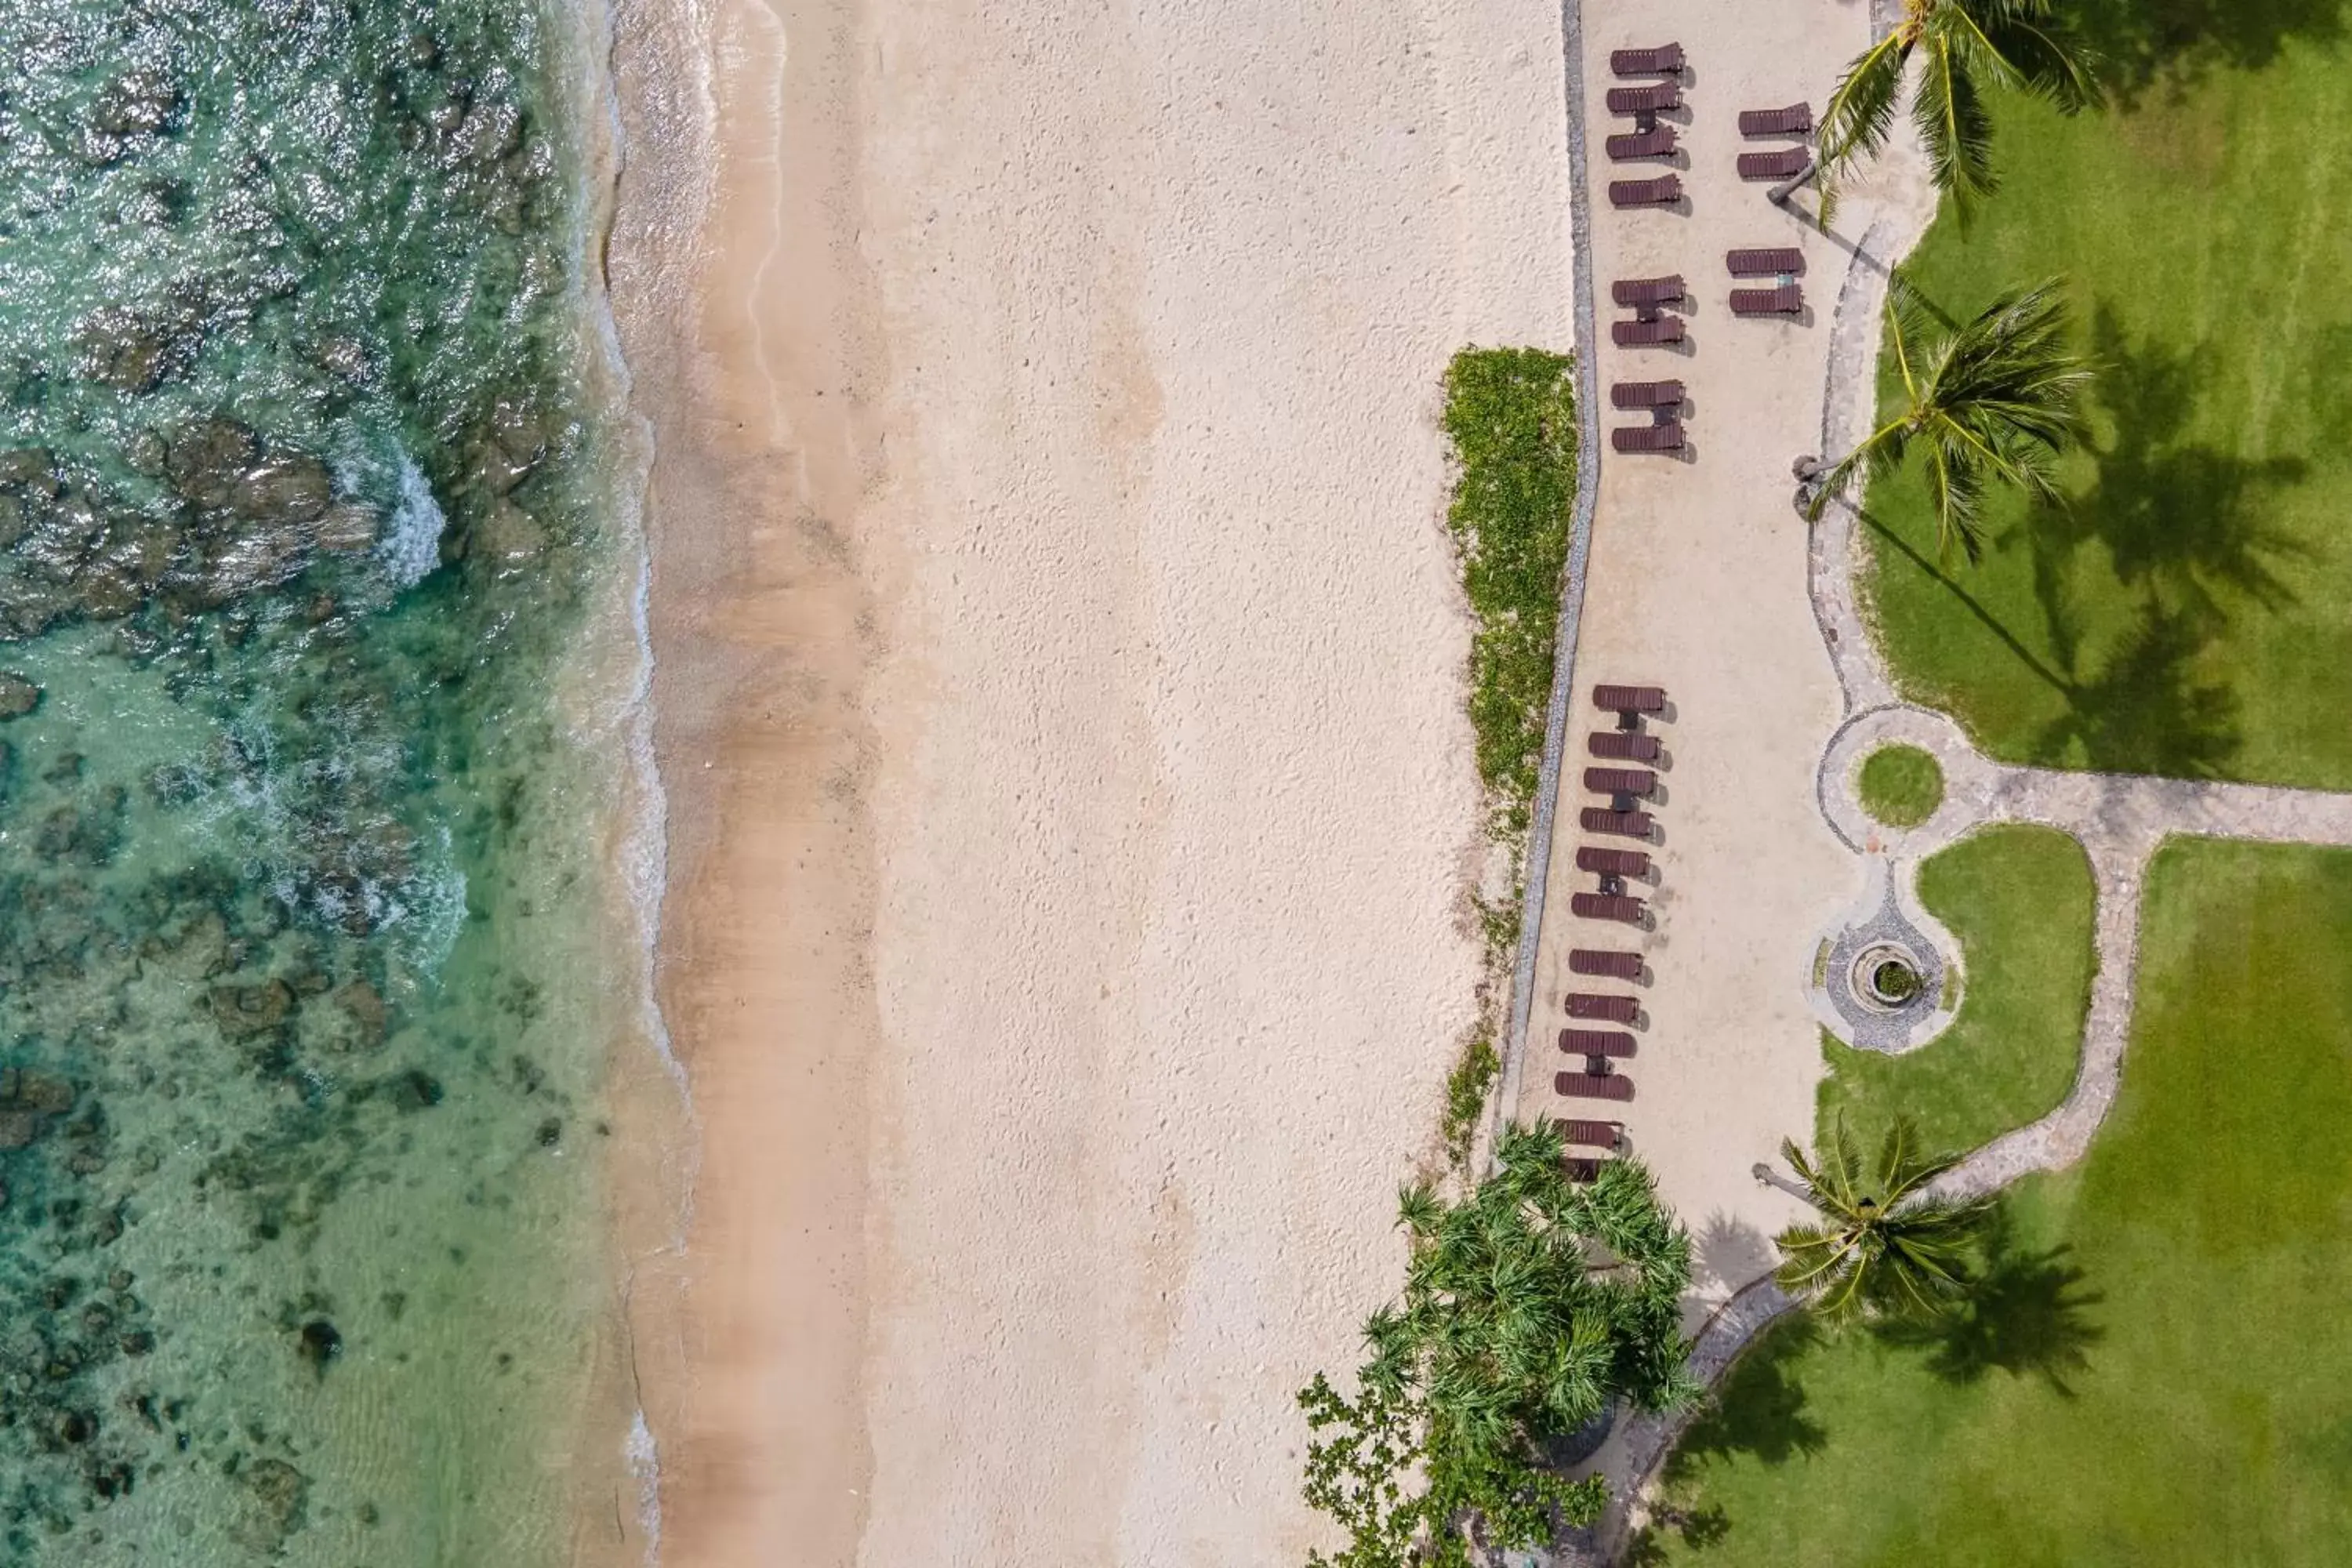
(1883, 1245)
(1465, 1097)
(1533, 1307)
(1965, 50)
(1997, 398)
(1901, 785)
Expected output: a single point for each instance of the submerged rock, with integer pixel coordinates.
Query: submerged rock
(245, 1010)
(321, 1343)
(18, 696)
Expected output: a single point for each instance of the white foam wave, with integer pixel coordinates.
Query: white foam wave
(645, 1463)
(411, 547)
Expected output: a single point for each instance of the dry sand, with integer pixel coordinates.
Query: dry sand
(1060, 704)
(1697, 583)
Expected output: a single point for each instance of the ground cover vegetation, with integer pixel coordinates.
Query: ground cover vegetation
(1531, 1303)
(2147, 1370)
(1901, 785)
(2021, 901)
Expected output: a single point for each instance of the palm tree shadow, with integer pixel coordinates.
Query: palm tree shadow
(2168, 46)
(1760, 1409)
(2027, 1317)
(2148, 710)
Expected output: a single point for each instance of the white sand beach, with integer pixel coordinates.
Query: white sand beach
(1060, 702)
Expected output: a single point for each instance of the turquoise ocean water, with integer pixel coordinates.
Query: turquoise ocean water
(309, 786)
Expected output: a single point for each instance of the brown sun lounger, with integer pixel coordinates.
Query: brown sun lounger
(1646, 294)
(1782, 163)
(1663, 191)
(1591, 1134)
(1630, 699)
(1608, 907)
(1602, 862)
(1666, 435)
(1603, 964)
(1607, 1010)
(1620, 781)
(1622, 745)
(1658, 141)
(1646, 395)
(1648, 98)
(1596, 1042)
(1646, 334)
(1666, 59)
(1788, 299)
(1794, 121)
(1592, 1086)
(1766, 263)
(1624, 824)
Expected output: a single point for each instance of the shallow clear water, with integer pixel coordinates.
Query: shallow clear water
(304, 937)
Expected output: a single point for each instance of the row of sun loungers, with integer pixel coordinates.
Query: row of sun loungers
(1587, 1010)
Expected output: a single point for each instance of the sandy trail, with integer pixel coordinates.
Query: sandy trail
(1060, 688)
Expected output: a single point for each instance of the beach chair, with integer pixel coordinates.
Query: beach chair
(1663, 191)
(1646, 395)
(1638, 781)
(1788, 299)
(1797, 120)
(1647, 100)
(1666, 435)
(1596, 1043)
(1624, 823)
(1658, 141)
(1646, 294)
(1782, 163)
(1592, 1086)
(1666, 59)
(1606, 1009)
(1646, 334)
(1608, 907)
(1603, 862)
(1610, 1135)
(1604, 965)
(1766, 263)
(1624, 700)
(1622, 745)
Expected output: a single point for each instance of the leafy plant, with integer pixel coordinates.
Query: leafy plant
(1529, 1307)
(1883, 1246)
(1465, 1097)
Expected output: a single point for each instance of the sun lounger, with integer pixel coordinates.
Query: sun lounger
(1788, 299)
(1648, 98)
(1581, 1169)
(1666, 59)
(1663, 191)
(1620, 781)
(1596, 1042)
(1603, 964)
(1608, 907)
(1630, 699)
(1766, 263)
(1782, 163)
(1622, 746)
(1666, 435)
(1646, 294)
(1658, 141)
(1646, 395)
(1796, 120)
(1646, 334)
(1592, 1086)
(1591, 1134)
(1624, 824)
(1608, 1009)
(1602, 862)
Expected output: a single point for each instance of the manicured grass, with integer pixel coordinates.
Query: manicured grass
(2157, 1376)
(2189, 610)
(2021, 901)
(1901, 785)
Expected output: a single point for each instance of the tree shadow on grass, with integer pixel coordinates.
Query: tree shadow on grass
(1760, 1409)
(2167, 46)
(2027, 1316)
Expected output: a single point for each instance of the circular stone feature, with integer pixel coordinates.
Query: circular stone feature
(1901, 785)
(1887, 978)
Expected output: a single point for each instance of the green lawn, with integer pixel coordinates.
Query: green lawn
(2020, 900)
(2188, 611)
(1901, 785)
(2158, 1373)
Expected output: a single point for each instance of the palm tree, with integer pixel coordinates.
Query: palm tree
(1883, 1245)
(1966, 45)
(1997, 398)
